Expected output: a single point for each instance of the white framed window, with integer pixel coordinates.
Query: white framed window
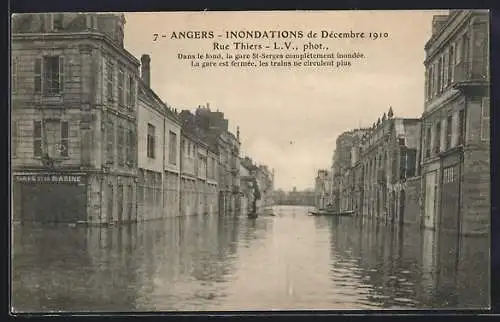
(485, 119)
(48, 75)
(448, 175)
(57, 21)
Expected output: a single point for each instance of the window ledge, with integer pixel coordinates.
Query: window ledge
(50, 98)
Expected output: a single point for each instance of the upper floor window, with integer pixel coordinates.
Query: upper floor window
(49, 72)
(130, 92)
(172, 153)
(151, 141)
(437, 138)
(451, 65)
(51, 138)
(485, 119)
(121, 81)
(428, 142)
(449, 126)
(57, 21)
(439, 85)
(461, 127)
(109, 81)
(121, 145)
(131, 146)
(448, 175)
(110, 138)
(37, 138)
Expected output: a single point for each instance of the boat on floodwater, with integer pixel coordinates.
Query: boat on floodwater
(331, 212)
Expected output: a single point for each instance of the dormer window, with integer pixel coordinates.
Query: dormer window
(57, 21)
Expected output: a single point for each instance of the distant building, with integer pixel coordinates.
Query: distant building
(455, 158)
(74, 119)
(159, 159)
(227, 146)
(198, 169)
(387, 158)
(322, 189)
(341, 182)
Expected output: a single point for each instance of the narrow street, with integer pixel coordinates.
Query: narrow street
(287, 261)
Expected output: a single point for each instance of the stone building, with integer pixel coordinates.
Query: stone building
(455, 143)
(321, 189)
(387, 158)
(257, 182)
(342, 170)
(159, 129)
(246, 189)
(74, 119)
(227, 147)
(265, 182)
(199, 170)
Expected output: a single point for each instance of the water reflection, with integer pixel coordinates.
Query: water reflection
(287, 261)
(408, 268)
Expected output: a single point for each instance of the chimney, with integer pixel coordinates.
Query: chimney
(145, 69)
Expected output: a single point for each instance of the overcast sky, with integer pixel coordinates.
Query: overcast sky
(289, 118)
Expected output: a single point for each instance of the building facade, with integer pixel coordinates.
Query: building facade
(159, 130)
(74, 119)
(322, 189)
(387, 158)
(227, 147)
(455, 130)
(342, 170)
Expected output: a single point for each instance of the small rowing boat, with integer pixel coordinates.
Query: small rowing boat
(323, 212)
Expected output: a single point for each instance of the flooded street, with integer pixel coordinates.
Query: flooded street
(289, 261)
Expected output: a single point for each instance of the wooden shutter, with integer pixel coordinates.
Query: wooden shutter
(61, 74)
(38, 75)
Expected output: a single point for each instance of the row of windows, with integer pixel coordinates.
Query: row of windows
(126, 85)
(126, 144)
(433, 141)
(49, 75)
(442, 72)
(151, 144)
(50, 138)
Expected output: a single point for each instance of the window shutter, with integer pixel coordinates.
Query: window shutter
(61, 74)
(38, 75)
(14, 74)
(64, 149)
(37, 138)
(15, 139)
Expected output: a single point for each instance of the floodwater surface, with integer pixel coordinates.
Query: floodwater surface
(287, 261)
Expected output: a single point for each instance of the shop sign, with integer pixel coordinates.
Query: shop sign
(49, 178)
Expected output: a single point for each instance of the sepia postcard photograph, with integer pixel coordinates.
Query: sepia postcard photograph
(250, 161)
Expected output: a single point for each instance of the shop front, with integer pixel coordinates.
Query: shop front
(49, 197)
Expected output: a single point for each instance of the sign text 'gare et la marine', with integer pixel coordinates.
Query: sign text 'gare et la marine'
(49, 178)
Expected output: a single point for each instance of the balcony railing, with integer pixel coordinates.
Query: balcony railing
(471, 71)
